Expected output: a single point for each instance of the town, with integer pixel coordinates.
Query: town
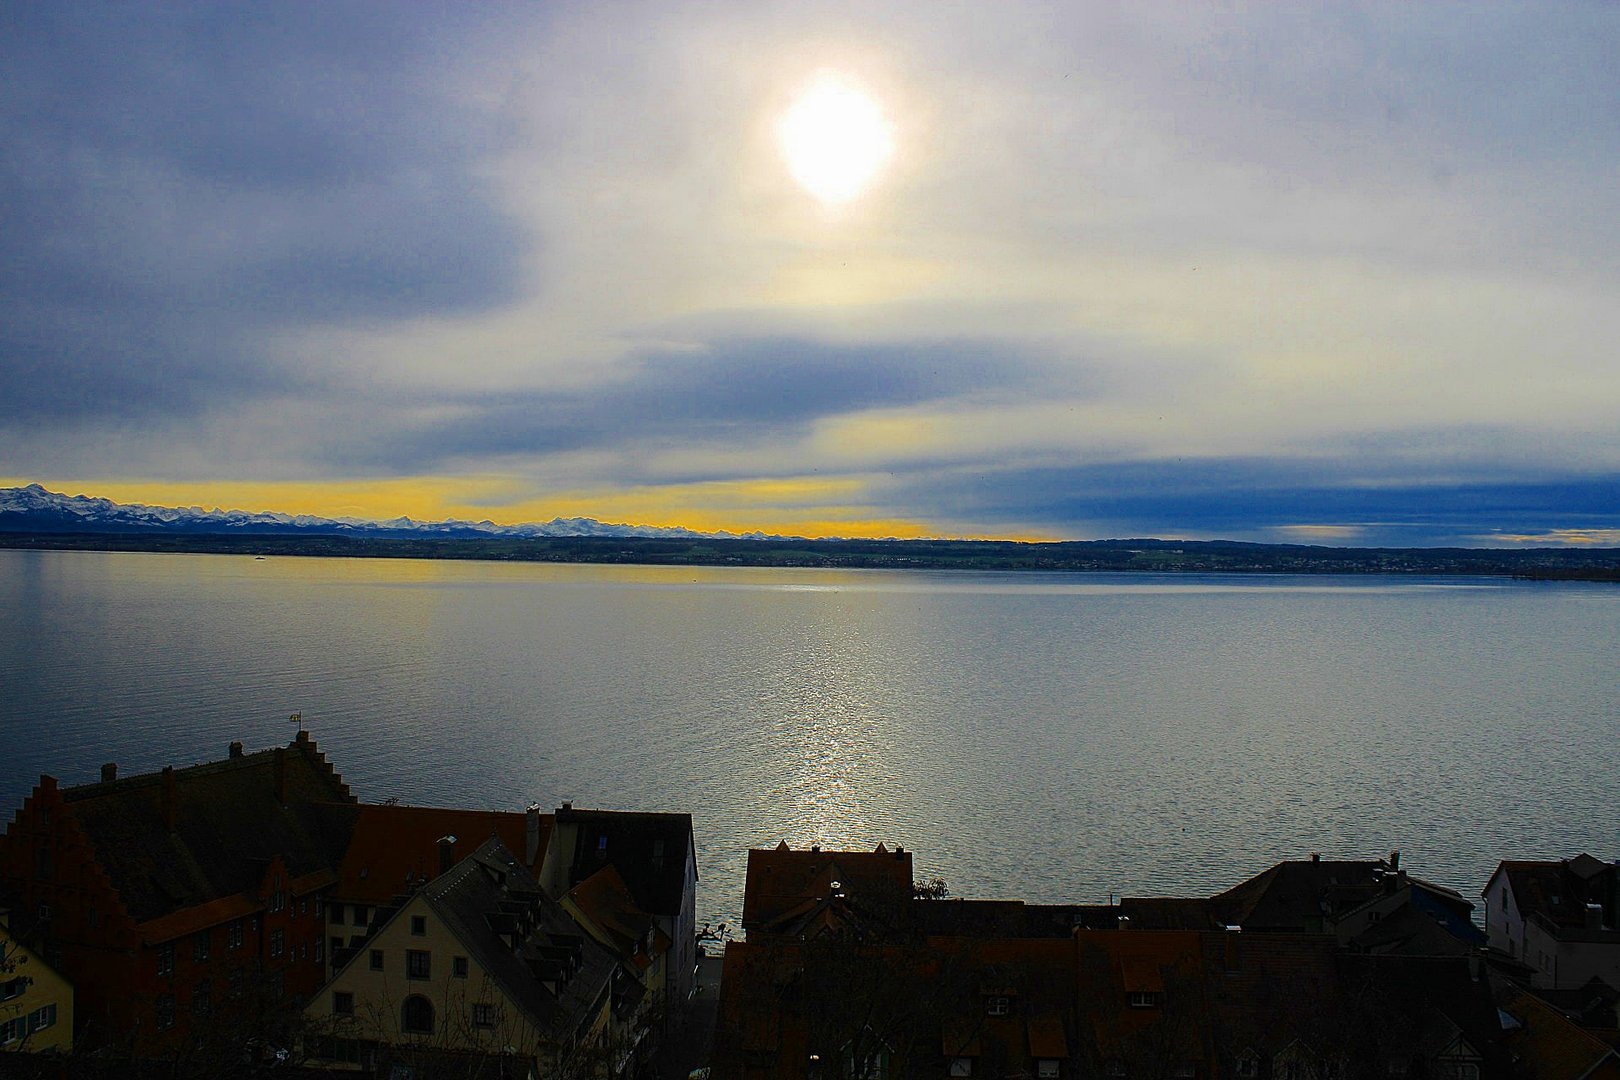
(252, 916)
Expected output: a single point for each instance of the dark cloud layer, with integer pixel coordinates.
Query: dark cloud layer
(720, 396)
(1256, 498)
(178, 182)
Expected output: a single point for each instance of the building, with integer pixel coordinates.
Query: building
(800, 894)
(36, 1003)
(839, 977)
(604, 908)
(656, 858)
(1561, 919)
(1371, 905)
(183, 903)
(388, 851)
(477, 961)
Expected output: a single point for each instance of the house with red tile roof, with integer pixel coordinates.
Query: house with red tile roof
(177, 899)
(823, 988)
(388, 851)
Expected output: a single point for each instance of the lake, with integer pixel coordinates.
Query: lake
(1055, 737)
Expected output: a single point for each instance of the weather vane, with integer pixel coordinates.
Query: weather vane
(297, 718)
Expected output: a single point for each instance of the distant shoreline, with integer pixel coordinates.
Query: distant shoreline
(1093, 556)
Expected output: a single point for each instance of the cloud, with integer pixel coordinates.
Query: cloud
(1133, 268)
(185, 182)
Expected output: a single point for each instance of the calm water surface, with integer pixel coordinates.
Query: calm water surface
(1046, 736)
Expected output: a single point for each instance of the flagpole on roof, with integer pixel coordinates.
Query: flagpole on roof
(297, 718)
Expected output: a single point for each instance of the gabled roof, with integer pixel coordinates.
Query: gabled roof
(1299, 893)
(1559, 891)
(782, 880)
(487, 895)
(391, 849)
(230, 819)
(605, 901)
(651, 851)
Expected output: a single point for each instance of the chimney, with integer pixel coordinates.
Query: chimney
(281, 775)
(109, 772)
(567, 806)
(1316, 856)
(531, 834)
(1395, 860)
(171, 811)
(447, 853)
(236, 749)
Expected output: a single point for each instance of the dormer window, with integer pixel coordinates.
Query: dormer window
(1046, 1069)
(1145, 999)
(961, 1066)
(997, 1005)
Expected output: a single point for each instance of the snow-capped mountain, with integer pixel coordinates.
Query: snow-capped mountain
(33, 509)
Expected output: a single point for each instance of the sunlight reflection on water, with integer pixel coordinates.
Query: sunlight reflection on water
(1047, 736)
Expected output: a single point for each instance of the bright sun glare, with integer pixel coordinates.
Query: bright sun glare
(835, 139)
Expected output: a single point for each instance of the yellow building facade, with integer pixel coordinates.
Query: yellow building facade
(36, 1003)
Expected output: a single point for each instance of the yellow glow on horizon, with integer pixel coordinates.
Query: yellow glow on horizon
(835, 139)
(785, 506)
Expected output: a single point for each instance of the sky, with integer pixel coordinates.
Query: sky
(1337, 273)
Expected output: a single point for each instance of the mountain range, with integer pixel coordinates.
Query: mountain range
(33, 509)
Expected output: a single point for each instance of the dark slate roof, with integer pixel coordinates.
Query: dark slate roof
(649, 850)
(489, 892)
(229, 823)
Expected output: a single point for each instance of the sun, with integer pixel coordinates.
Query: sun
(835, 139)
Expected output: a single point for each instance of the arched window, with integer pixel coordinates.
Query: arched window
(418, 1016)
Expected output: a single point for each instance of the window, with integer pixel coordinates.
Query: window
(238, 982)
(1248, 1065)
(42, 1018)
(165, 1012)
(1145, 999)
(202, 998)
(997, 1005)
(483, 1015)
(376, 960)
(342, 1003)
(458, 967)
(419, 925)
(13, 988)
(303, 906)
(418, 964)
(961, 1066)
(233, 935)
(12, 1030)
(278, 900)
(165, 960)
(44, 913)
(278, 942)
(336, 944)
(320, 949)
(201, 945)
(1046, 1069)
(417, 1016)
